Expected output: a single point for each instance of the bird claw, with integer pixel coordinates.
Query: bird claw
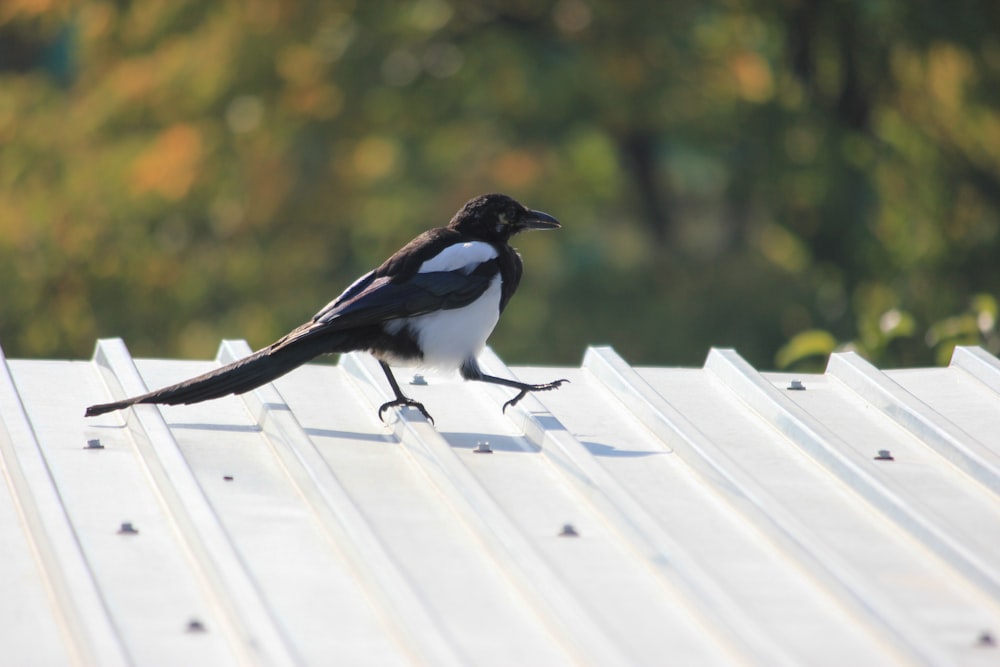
(400, 402)
(532, 387)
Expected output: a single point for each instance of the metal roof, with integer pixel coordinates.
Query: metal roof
(637, 516)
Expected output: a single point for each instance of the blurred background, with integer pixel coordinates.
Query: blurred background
(782, 176)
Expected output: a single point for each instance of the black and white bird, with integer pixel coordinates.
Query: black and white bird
(433, 303)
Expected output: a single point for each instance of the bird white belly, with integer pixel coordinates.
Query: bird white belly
(449, 337)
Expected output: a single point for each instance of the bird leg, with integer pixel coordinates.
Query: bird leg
(524, 388)
(400, 399)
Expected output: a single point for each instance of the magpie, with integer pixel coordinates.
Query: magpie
(433, 303)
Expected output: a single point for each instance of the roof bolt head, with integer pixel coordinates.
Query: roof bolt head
(418, 380)
(94, 444)
(568, 531)
(128, 529)
(796, 385)
(194, 625)
(986, 639)
(483, 448)
(884, 455)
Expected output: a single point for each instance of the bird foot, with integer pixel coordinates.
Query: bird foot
(403, 401)
(532, 387)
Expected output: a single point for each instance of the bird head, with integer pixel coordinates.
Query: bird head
(497, 217)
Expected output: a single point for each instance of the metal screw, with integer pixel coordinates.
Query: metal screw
(796, 385)
(228, 478)
(483, 448)
(128, 529)
(568, 531)
(94, 444)
(418, 379)
(194, 625)
(884, 455)
(986, 639)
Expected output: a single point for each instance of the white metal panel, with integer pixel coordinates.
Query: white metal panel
(920, 473)
(877, 556)
(145, 580)
(978, 363)
(709, 515)
(281, 539)
(413, 520)
(795, 589)
(41, 608)
(525, 559)
(681, 575)
(831, 451)
(930, 426)
(244, 619)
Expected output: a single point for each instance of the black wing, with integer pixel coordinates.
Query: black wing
(372, 300)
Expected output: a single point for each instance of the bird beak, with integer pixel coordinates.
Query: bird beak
(539, 220)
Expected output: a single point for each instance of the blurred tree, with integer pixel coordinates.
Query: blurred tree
(782, 176)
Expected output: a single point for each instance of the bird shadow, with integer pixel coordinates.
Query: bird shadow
(457, 439)
(600, 449)
(228, 428)
(351, 435)
(508, 443)
(254, 428)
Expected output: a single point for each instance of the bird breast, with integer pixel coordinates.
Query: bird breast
(450, 337)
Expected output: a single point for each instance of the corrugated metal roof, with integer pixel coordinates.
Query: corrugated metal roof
(636, 516)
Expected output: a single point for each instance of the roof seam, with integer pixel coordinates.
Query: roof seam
(249, 623)
(403, 612)
(815, 439)
(788, 534)
(943, 437)
(629, 519)
(85, 622)
(538, 583)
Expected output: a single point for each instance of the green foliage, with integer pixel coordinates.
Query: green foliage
(785, 178)
(806, 347)
(976, 326)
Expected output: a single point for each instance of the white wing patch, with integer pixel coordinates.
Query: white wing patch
(461, 256)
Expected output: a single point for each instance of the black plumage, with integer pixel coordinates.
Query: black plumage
(434, 301)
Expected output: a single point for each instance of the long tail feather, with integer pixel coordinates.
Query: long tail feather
(236, 378)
